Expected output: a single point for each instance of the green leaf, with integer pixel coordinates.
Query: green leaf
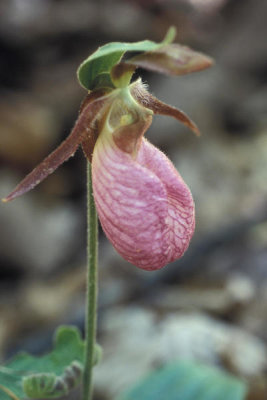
(10, 382)
(68, 346)
(51, 386)
(49, 376)
(186, 380)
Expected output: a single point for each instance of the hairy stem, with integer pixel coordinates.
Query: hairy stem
(91, 295)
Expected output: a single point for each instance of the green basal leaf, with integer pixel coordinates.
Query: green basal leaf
(68, 346)
(51, 386)
(50, 376)
(105, 57)
(39, 385)
(186, 380)
(10, 385)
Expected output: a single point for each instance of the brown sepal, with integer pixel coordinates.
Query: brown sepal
(158, 107)
(172, 59)
(84, 125)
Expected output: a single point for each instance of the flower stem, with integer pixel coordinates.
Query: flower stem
(91, 294)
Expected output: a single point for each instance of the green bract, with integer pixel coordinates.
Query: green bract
(102, 60)
(106, 68)
(99, 64)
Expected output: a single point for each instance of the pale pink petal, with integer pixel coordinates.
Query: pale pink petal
(144, 206)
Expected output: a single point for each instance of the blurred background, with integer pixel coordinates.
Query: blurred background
(212, 304)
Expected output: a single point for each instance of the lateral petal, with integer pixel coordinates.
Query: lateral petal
(82, 128)
(158, 107)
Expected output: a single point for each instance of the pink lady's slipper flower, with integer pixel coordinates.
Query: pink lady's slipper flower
(144, 206)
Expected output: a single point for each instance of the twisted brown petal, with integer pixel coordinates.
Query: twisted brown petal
(82, 128)
(158, 107)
